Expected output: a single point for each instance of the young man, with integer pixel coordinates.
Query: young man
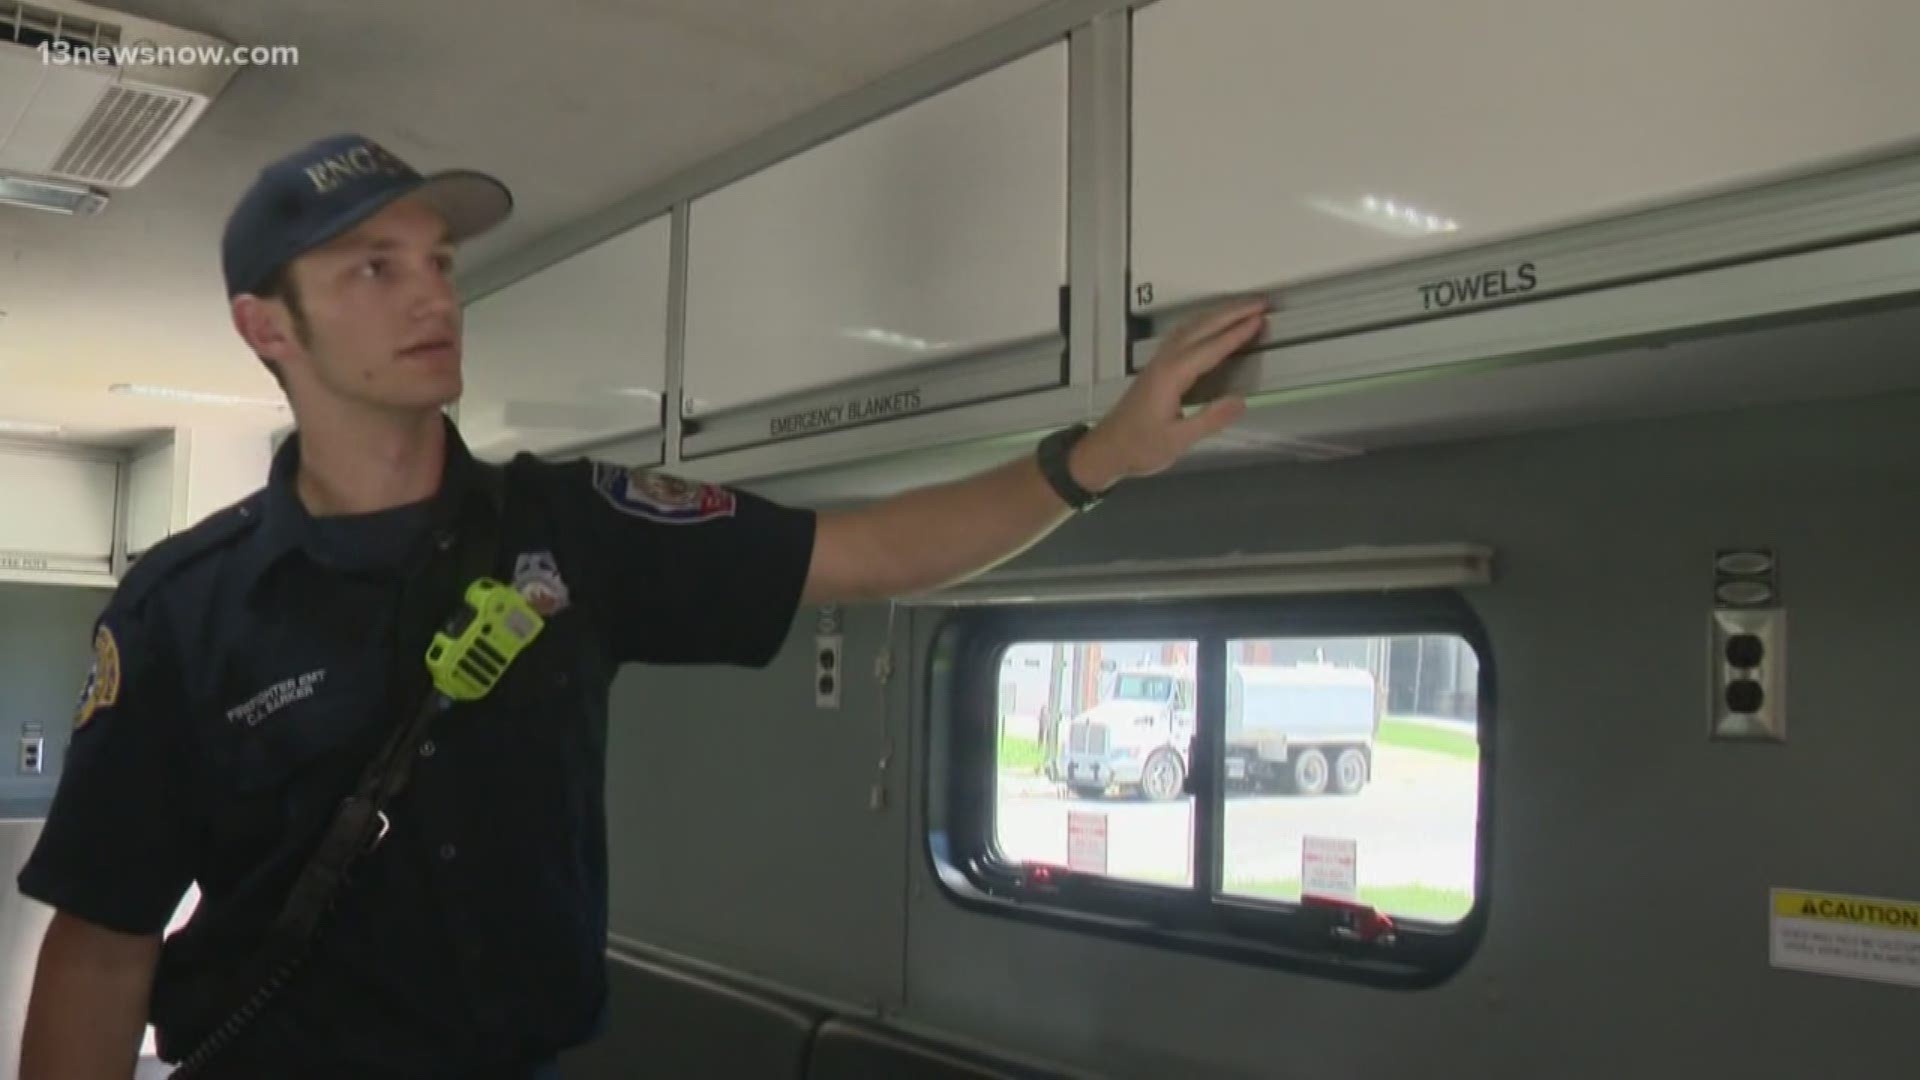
(248, 669)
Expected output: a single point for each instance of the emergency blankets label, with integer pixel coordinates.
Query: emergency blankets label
(1087, 841)
(1857, 937)
(1330, 868)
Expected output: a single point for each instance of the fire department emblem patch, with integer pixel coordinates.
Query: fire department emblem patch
(658, 497)
(536, 577)
(102, 688)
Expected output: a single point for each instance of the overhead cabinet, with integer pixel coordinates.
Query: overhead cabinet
(913, 264)
(1433, 196)
(156, 493)
(79, 515)
(57, 527)
(573, 354)
(177, 480)
(1426, 185)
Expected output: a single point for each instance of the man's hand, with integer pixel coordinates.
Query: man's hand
(932, 536)
(1147, 429)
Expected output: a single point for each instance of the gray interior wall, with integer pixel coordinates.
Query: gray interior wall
(1630, 856)
(46, 645)
(739, 818)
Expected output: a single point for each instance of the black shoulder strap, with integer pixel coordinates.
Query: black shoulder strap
(431, 595)
(428, 600)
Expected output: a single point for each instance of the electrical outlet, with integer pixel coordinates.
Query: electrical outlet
(1748, 642)
(828, 671)
(33, 751)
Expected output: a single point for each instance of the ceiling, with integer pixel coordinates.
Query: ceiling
(605, 98)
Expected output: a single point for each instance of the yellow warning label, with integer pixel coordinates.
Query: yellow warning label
(1851, 910)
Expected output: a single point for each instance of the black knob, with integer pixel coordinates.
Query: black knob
(1745, 651)
(1745, 696)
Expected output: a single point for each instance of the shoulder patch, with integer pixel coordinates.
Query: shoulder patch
(644, 493)
(102, 689)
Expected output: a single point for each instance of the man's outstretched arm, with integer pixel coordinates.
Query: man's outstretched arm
(934, 536)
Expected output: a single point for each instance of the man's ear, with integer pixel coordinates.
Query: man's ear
(265, 325)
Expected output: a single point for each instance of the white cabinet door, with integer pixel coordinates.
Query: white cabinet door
(155, 480)
(1276, 142)
(57, 522)
(933, 235)
(223, 467)
(572, 354)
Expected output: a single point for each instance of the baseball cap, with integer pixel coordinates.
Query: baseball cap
(332, 184)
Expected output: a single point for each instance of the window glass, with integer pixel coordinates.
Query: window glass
(1295, 783)
(1096, 738)
(1352, 772)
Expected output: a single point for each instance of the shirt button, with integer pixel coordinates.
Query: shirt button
(427, 749)
(447, 852)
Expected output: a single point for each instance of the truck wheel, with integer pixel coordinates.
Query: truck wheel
(1164, 778)
(1310, 773)
(1350, 771)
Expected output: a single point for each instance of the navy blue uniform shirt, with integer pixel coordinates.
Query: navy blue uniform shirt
(240, 684)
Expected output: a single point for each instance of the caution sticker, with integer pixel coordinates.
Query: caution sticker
(1858, 937)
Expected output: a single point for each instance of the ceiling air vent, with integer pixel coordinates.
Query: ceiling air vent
(88, 95)
(32, 25)
(126, 128)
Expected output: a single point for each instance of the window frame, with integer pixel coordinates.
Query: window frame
(960, 782)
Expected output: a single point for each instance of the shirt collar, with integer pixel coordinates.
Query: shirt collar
(467, 486)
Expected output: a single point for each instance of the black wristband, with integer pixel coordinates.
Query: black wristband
(1053, 454)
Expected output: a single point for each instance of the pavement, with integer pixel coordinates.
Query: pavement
(1415, 823)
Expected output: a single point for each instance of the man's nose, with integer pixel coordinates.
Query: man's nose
(437, 294)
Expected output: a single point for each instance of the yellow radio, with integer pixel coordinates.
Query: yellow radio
(469, 657)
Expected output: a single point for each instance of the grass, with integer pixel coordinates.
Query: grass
(1412, 901)
(1408, 735)
(1020, 755)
